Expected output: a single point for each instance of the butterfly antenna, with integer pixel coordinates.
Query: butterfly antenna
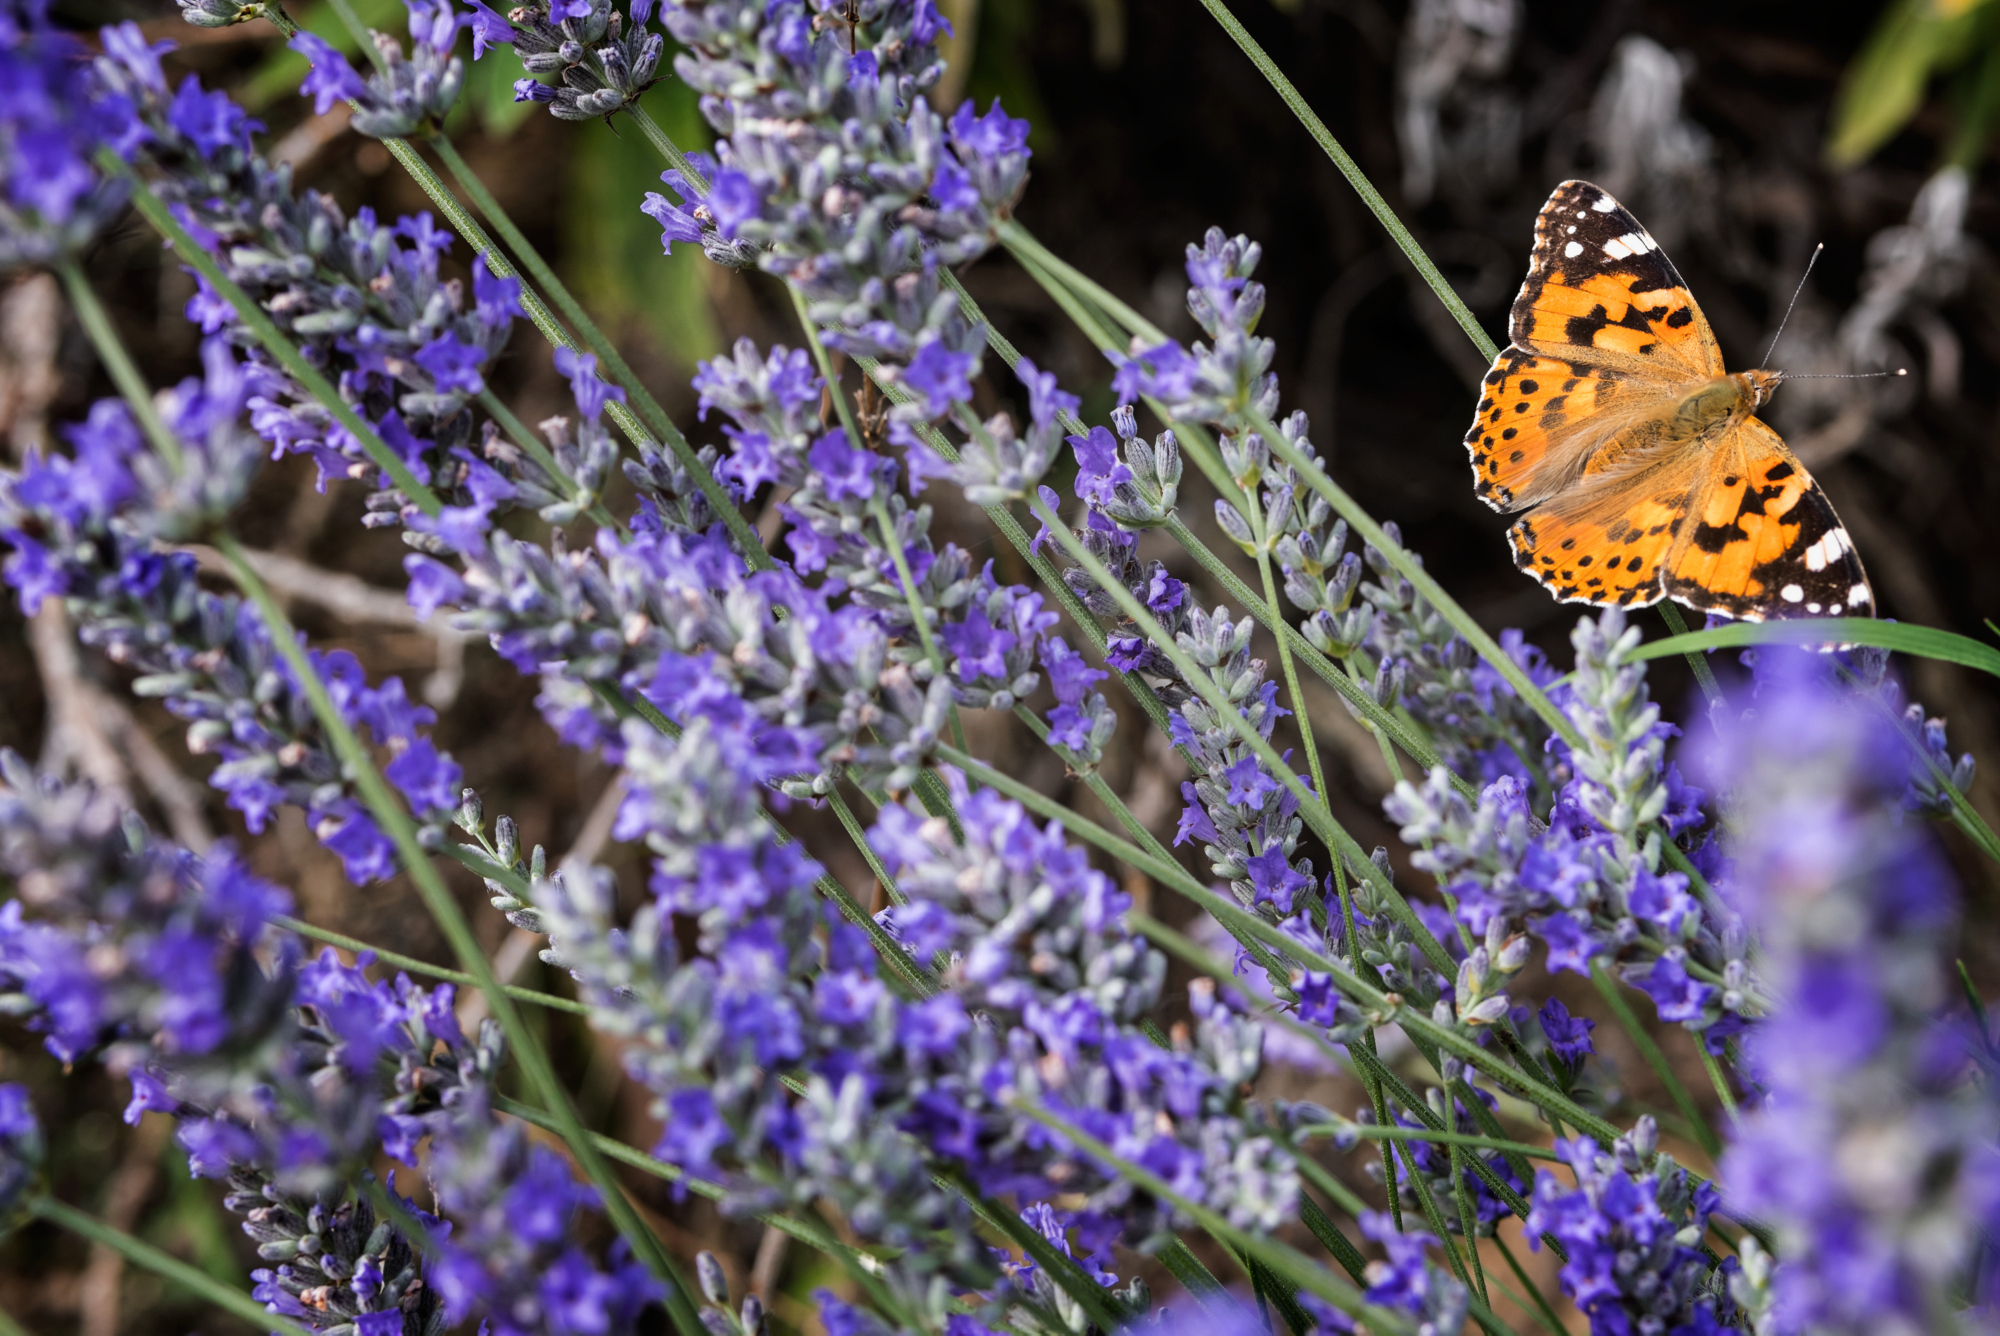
(1795, 301)
(1842, 375)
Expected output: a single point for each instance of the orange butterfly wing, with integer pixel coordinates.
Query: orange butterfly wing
(1605, 336)
(1607, 544)
(1762, 539)
(1599, 285)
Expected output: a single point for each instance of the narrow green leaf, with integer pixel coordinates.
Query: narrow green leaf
(1884, 85)
(163, 1264)
(1924, 641)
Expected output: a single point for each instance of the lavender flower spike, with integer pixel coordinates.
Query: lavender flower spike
(1875, 1153)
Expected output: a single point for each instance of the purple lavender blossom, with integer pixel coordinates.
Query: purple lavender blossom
(1874, 1153)
(1409, 1281)
(370, 311)
(51, 121)
(84, 525)
(603, 60)
(1568, 1036)
(1587, 881)
(1632, 1226)
(330, 82)
(507, 1256)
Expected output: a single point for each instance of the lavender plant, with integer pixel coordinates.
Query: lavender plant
(969, 1083)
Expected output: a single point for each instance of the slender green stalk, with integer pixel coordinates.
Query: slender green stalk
(163, 1264)
(1720, 1080)
(268, 334)
(1649, 1049)
(359, 31)
(96, 322)
(1197, 1279)
(1375, 1096)
(1027, 249)
(1541, 1310)
(1697, 664)
(1330, 1234)
(412, 965)
(395, 822)
(1468, 1219)
(1427, 1206)
(1301, 714)
(669, 150)
(1356, 178)
(859, 837)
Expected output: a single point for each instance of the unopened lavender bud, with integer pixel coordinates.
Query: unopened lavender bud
(507, 841)
(710, 1276)
(1235, 526)
(219, 13)
(752, 1316)
(1278, 511)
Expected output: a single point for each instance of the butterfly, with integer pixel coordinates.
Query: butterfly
(1640, 461)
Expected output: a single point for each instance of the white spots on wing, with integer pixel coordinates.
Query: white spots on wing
(1603, 204)
(1581, 214)
(1813, 608)
(1617, 249)
(1831, 545)
(1791, 593)
(1860, 594)
(1632, 243)
(1574, 249)
(1572, 228)
(1833, 611)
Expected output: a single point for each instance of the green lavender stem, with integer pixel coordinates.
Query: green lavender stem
(1356, 178)
(412, 965)
(163, 1264)
(111, 350)
(1649, 1049)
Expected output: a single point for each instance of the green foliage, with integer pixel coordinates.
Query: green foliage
(1914, 42)
(614, 250)
(1925, 641)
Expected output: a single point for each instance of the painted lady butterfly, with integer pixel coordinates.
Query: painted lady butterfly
(1645, 473)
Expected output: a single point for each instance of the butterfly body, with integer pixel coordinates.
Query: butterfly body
(1639, 459)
